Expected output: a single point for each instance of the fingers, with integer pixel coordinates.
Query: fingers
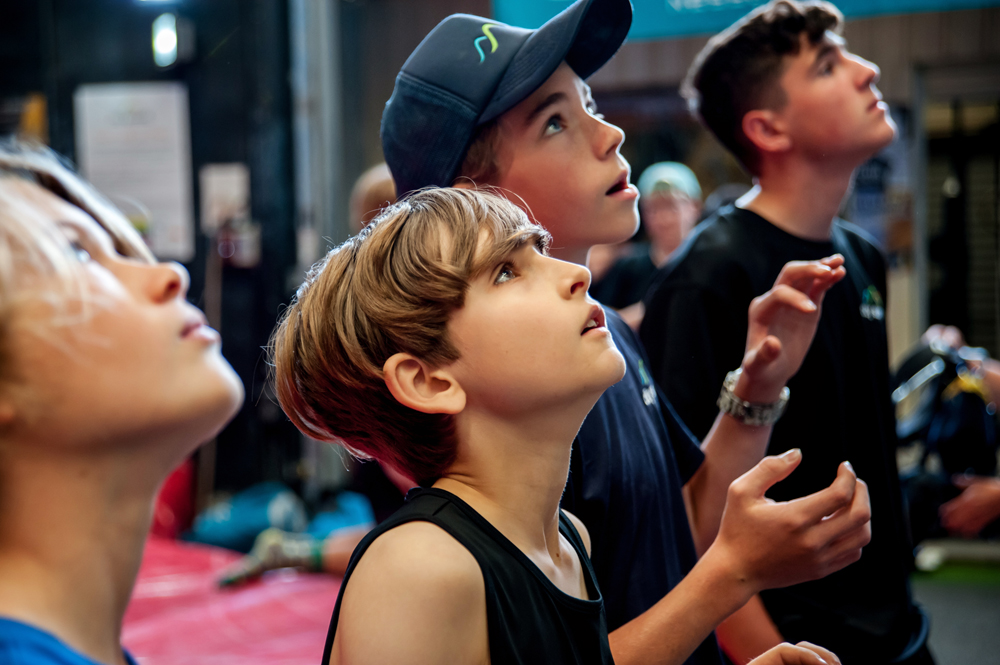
(820, 286)
(799, 654)
(770, 470)
(839, 538)
(763, 308)
(828, 501)
(813, 278)
(833, 261)
(854, 530)
(825, 654)
(963, 481)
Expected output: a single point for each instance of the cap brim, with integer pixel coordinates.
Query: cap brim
(586, 35)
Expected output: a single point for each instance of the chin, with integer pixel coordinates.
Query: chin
(232, 395)
(620, 227)
(616, 369)
(218, 401)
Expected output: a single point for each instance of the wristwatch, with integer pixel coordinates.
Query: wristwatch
(750, 413)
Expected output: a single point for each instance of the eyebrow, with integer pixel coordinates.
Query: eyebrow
(83, 232)
(549, 101)
(825, 50)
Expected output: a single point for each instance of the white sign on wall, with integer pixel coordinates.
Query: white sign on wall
(133, 142)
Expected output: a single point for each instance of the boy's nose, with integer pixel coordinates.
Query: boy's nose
(579, 279)
(869, 72)
(609, 138)
(169, 280)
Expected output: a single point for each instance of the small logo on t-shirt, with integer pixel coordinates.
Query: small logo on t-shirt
(871, 304)
(648, 391)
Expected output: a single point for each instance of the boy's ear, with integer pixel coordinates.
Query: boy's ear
(766, 131)
(422, 388)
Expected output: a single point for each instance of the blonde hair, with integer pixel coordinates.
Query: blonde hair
(31, 246)
(390, 289)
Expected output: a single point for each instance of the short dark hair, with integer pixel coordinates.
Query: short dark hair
(739, 68)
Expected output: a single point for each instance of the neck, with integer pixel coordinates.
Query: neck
(802, 198)
(513, 473)
(577, 255)
(71, 540)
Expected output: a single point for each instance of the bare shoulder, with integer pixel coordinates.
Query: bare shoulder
(584, 534)
(417, 595)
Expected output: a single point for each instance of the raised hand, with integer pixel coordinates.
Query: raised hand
(974, 508)
(775, 544)
(782, 324)
(802, 653)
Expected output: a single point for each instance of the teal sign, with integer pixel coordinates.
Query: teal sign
(656, 19)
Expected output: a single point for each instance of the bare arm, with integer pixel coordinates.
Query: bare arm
(782, 324)
(748, 632)
(417, 596)
(991, 377)
(761, 544)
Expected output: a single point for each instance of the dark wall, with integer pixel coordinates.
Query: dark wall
(240, 112)
(377, 37)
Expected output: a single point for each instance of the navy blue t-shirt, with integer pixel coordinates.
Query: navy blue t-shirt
(629, 463)
(21, 644)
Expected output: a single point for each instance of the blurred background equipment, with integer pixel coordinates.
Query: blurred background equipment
(947, 416)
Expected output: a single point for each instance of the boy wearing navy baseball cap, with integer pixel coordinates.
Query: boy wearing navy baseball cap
(481, 103)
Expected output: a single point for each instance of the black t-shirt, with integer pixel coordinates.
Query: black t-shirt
(627, 281)
(695, 331)
(530, 620)
(629, 463)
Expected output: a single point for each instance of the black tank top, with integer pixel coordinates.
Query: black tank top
(529, 619)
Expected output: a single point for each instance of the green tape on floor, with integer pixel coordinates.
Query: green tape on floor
(962, 573)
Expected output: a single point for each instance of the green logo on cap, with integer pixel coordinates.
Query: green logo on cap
(487, 35)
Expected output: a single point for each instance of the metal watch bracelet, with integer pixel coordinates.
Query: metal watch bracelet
(750, 413)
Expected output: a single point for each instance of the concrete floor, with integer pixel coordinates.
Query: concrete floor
(963, 602)
(965, 622)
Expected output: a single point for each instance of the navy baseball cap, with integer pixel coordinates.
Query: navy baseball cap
(469, 70)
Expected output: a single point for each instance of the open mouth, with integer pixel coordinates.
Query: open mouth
(595, 321)
(192, 324)
(620, 184)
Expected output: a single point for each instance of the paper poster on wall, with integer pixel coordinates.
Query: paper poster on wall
(133, 143)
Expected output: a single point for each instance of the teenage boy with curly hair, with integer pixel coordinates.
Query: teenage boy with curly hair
(482, 103)
(781, 91)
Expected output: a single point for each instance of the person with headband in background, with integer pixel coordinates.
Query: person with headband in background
(669, 206)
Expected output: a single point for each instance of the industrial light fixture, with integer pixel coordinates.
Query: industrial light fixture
(165, 40)
(173, 40)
